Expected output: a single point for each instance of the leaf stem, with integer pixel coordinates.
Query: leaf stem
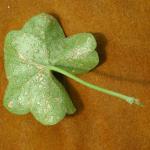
(128, 99)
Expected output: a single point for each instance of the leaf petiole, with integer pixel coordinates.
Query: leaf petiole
(131, 100)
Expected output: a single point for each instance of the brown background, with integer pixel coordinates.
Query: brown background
(122, 30)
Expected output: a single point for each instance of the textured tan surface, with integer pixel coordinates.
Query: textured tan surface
(122, 30)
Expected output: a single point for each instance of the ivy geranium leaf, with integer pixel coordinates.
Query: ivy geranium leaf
(32, 87)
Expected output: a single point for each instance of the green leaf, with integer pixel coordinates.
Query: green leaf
(29, 52)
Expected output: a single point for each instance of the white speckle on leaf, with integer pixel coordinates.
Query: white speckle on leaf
(19, 99)
(48, 107)
(51, 118)
(40, 85)
(41, 78)
(10, 104)
(45, 110)
(21, 57)
(58, 100)
(25, 93)
(38, 103)
(21, 103)
(36, 50)
(8, 6)
(37, 78)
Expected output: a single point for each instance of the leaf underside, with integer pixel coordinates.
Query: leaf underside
(28, 52)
